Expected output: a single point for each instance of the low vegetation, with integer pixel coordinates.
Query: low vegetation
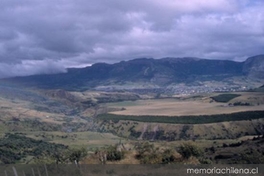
(113, 153)
(201, 119)
(50, 127)
(224, 98)
(249, 151)
(15, 147)
(149, 154)
(189, 149)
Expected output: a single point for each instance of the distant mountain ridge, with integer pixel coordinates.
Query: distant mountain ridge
(157, 72)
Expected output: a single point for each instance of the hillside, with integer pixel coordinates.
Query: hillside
(149, 73)
(72, 118)
(248, 151)
(259, 89)
(254, 66)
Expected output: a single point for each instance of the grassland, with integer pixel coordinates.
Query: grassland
(51, 119)
(77, 139)
(187, 117)
(183, 106)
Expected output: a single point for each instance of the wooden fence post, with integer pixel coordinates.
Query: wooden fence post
(15, 172)
(33, 173)
(46, 170)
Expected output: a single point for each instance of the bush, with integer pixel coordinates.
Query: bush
(113, 154)
(189, 149)
(168, 156)
(241, 103)
(144, 149)
(148, 154)
(75, 155)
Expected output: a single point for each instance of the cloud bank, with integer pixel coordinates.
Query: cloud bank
(48, 36)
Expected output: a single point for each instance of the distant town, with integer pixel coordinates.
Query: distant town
(179, 89)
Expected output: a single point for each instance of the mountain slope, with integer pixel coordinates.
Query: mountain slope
(254, 66)
(156, 72)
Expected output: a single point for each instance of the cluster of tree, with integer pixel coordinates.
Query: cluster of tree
(245, 152)
(110, 153)
(148, 154)
(70, 155)
(189, 149)
(114, 154)
(31, 124)
(247, 156)
(233, 144)
(238, 103)
(191, 119)
(14, 147)
(252, 156)
(224, 98)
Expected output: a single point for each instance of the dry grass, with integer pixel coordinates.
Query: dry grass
(23, 110)
(200, 106)
(77, 139)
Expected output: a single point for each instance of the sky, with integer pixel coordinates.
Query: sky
(44, 36)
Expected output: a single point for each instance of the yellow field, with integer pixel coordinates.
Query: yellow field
(175, 107)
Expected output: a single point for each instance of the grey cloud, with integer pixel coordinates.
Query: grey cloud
(29, 67)
(53, 36)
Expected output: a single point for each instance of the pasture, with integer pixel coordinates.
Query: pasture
(76, 139)
(188, 106)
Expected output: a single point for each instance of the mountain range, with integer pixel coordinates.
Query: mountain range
(148, 72)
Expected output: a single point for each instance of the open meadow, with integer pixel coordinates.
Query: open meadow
(91, 140)
(183, 106)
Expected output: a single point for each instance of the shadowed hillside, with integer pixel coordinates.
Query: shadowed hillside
(155, 72)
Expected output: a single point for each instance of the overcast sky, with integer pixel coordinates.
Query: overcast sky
(44, 36)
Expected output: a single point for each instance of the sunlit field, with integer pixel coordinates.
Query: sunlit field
(176, 107)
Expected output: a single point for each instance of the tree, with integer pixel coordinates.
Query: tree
(144, 148)
(189, 149)
(76, 155)
(113, 154)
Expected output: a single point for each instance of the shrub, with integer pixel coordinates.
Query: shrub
(147, 154)
(189, 149)
(168, 156)
(113, 154)
(77, 154)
